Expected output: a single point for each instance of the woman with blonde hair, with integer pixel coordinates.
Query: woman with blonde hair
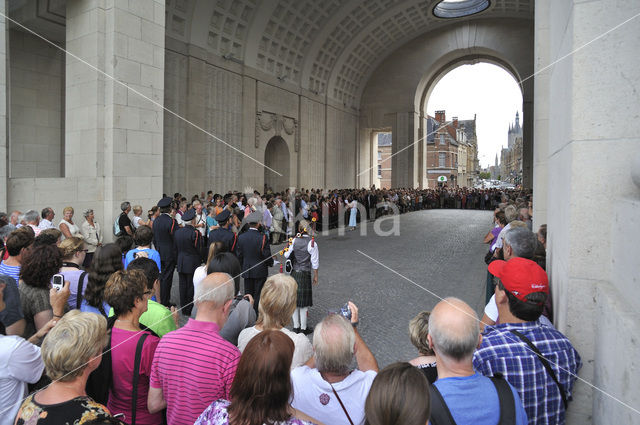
(277, 303)
(73, 253)
(418, 332)
(71, 351)
(67, 226)
(137, 218)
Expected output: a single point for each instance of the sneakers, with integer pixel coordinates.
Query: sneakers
(296, 330)
(307, 331)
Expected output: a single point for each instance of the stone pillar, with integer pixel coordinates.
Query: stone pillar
(404, 165)
(541, 114)
(113, 135)
(527, 143)
(594, 134)
(3, 108)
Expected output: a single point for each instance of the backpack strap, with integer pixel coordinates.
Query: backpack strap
(344, 409)
(506, 400)
(545, 363)
(440, 413)
(136, 376)
(80, 290)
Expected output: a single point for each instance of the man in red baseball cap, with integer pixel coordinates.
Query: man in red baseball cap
(536, 359)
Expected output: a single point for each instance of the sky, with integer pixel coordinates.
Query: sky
(486, 90)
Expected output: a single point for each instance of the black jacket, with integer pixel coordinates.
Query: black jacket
(190, 246)
(223, 235)
(164, 227)
(253, 248)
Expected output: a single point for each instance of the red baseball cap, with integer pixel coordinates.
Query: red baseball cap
(520, 276)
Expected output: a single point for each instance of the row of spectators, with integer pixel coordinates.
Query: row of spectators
(111, 353)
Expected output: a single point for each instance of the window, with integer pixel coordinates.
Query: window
(379, 155)
(442, 142)
(459, 8)
(442, 160)
(379, 171)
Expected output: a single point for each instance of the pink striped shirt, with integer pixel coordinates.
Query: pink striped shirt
(193, 366)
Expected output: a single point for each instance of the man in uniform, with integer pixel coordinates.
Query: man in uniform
(254, 254)
(164, 228)
(190, 247)
(223, 233)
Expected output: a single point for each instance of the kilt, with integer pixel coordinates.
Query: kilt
(303, 279)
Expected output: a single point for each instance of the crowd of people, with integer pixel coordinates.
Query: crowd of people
(106, 346)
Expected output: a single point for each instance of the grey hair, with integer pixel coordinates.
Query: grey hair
(216, 288)
(86, 213)
(510, 213)
(125, 205)
(6, 230)
(31, 216)
(522, 241)
(457, 342)
(333, 342)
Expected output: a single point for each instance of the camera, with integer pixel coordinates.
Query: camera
(57, 282)
(345, 311)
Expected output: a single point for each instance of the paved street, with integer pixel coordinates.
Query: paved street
(440, 250)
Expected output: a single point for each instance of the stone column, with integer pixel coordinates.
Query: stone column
(113, 135)
(594, 134)
(541, 114)
(3, 108)
(404, 165)
(527, 143)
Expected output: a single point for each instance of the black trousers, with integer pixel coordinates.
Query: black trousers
(253, 287)
(186, 292)
(166, 280)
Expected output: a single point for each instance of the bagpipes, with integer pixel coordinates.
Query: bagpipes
(288, 265)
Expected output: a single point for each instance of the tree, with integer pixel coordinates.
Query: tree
(485, 176)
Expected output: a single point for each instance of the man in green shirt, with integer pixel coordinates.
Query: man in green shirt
(157, 318)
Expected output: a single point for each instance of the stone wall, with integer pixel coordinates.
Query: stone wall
(244, 109)
(37, 107)
(587, 109)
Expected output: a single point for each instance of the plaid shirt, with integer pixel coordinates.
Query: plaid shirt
(501, 351)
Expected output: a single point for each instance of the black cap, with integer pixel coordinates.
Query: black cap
(223, 216)
(189, 215)
(165, 202)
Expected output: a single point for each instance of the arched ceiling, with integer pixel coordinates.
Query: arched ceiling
(330, 47)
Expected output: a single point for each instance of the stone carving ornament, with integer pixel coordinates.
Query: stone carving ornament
(267, 121)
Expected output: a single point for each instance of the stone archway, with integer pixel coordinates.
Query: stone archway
(276, 157)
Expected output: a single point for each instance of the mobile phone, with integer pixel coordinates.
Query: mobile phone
(57, 282)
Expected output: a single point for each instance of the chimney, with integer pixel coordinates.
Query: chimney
(440, 116)
(455, 122)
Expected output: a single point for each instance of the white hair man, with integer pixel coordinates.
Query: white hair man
(326, 388)
(195, 359)
(32, 218)
(467, 396)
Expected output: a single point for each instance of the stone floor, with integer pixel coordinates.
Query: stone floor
(439, 250)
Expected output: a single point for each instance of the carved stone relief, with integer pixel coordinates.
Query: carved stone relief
(267, 121)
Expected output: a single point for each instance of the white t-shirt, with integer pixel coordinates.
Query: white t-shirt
(136, 221)
(20, 363)
(314, 396)
(303, 348)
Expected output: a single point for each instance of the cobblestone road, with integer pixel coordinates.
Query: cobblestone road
(440, 250)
